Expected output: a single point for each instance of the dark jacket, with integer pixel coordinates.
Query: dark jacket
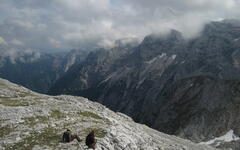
(67, 136)
(90, 140)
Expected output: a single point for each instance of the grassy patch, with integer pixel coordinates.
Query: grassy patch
(3, 120)
(6, 101)
(73, 124)
(5, 130)
(32, 121)
(99, 132)
(25, 94)
(90, 114)
(2, 84)
(57, 114)
(67, 125)
(48, 137)
(35, 120)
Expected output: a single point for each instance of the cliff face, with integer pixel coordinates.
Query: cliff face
(34, 121)
(188, 88)
(38, 71)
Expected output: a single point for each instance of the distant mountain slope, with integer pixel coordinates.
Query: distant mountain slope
(184, 87)
(38, 71)
(34, 121)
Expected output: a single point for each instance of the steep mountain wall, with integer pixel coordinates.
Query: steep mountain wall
(184, 87)
(38, 71)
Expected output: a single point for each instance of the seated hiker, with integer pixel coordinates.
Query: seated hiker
(68, 136)
(90, 140)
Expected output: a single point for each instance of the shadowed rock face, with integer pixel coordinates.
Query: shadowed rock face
(40, 73)
(187, 88)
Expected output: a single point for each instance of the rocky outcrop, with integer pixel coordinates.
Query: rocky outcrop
(34, 121)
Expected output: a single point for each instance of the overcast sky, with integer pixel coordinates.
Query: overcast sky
(52, 25)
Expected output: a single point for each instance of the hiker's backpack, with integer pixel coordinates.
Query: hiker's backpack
(66, 136)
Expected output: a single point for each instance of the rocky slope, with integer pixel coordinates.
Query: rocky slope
(34, 121)
(35, 70)
(189, 88)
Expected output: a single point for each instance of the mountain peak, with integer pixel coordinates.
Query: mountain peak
(175, 35)
(155, 44)
(172, 35)
(129, 42)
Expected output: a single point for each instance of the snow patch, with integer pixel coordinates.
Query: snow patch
(228, 137)
(183, 62)
(173, 56)
(237, 39)
(157, 57)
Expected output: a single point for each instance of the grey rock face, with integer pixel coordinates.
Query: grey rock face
(187, 88)
(35, 121)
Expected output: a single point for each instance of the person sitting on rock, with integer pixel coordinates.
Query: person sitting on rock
(90, 140)
(68, 136)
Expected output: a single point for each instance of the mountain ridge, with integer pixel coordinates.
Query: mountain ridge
(163, 80)
(35, 70)
(35, 121)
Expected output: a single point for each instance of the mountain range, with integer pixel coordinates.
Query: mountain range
(186, 87)
(38, 71)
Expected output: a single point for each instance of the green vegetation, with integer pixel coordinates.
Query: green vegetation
(48, 137)
(57, 114)
(3, 120)
(67, 125)
(99, 132)
(5, 130)
(90, 114)
(25, 94)
(6, 101)
(35, 120)
(2, 84)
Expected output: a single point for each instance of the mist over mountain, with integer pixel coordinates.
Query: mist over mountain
(171, 65)
(53, 25)
(189, 88)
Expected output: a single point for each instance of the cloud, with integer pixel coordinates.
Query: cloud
(54, 42)
(16, 42)
(2, 41)
(59, 25)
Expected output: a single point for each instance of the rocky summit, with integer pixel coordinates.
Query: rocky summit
(29, 120)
